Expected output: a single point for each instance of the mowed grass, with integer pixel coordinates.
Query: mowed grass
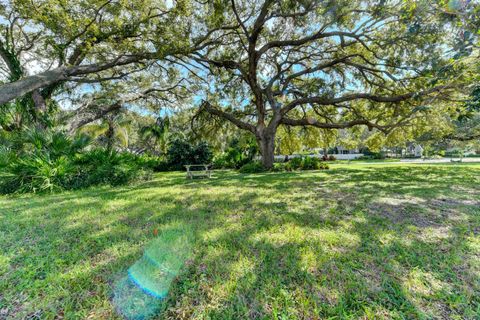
(353, 242)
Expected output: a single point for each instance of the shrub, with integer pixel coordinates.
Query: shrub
(239, 153)
(295, 163)
(310, 163)
(279, 167)
(40, 161)
(37, 173)
(323, 166)
(328, 158)
(51, 161)
(220, 162)
(252, 167)
(307, 163)
(365, 158)
(181, 153)
(161, 166)
(287, 167)
(372, 155)
(231, 159)
(151, 162)
(6, 156)
(147, 161)
(101, 166)
(202, 154)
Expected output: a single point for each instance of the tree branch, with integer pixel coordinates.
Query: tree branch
(324, 125)
(10, 91)
(359, 96)
(298, 42)
(225, 115)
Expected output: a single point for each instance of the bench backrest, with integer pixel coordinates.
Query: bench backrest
(198, 167)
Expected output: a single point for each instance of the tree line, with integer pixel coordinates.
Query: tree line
(400, 69)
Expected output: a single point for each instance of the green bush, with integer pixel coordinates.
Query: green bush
(106, 167)
(37, 173)
(152, 162)
(363, 158)
(219, 162)
(323, 166)
(148, 161)
(454, 154)
(306, 163)
(310, 163)
(181, 153)
(295, 163)
(239, 153)
(39, 161)
(280, 167)
(252, 167)
(50, 161)
(372, 155)
(161, 166)
(6, 156)
(201, 154)
(233, 158)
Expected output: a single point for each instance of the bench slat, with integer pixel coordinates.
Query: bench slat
(205, 172)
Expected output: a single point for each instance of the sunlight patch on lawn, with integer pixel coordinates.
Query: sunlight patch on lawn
(423, 284)
(215, 234)
(400, 201)
(391, 242)
(240, 274)
(4, 263)
(288, 233)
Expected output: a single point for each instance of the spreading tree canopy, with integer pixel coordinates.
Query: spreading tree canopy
(46, 43)
(326, 64)
(271, 68)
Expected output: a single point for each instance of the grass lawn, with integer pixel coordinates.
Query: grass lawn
(357, 241)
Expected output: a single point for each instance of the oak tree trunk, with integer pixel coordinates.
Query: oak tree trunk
(266, 143)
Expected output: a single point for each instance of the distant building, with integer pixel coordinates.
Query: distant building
(340, 153)
(418, 151)
(413, 150)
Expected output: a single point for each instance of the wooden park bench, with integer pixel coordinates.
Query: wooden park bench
(199, 171)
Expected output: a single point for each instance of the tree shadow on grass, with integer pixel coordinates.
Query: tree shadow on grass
(294, 245)
(374, 277)
(368, 279)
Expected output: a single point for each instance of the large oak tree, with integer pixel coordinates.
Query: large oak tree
(327, 64)
(46, 43)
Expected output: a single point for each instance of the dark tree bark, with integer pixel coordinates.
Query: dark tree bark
(39, 101)
(110, 135)
(19, 88)
(266, 143)
(84, 117)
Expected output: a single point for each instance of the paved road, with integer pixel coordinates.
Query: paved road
(443, 160)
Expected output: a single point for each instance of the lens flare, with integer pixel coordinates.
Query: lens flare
(140, 293)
